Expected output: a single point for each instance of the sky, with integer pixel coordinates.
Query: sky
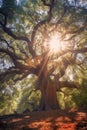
(18, 1)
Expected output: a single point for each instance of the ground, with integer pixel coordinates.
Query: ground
(46, 120)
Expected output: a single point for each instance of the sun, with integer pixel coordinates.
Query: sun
(54, 44)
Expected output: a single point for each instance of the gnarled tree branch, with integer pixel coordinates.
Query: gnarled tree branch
(43, 22)
(10, 33)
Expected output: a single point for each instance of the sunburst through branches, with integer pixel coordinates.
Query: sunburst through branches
(55, 44)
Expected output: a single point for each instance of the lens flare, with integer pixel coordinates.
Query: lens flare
(55, 44)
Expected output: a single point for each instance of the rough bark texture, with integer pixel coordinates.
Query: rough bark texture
(48, 96)
(48, 88)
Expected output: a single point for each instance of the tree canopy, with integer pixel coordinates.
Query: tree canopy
(46, 38)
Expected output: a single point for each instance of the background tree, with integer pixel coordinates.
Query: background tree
(46, 38)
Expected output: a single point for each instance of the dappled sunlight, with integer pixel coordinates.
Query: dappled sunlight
(16, 120)
(61, 118)
(42, 125)
(43, 67)
(26, 117)
(48, 120)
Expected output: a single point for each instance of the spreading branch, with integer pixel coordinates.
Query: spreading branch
(43, 22)
(5, 17)
(10, 33)
(15, 59)
(8, 45)
(45, 3)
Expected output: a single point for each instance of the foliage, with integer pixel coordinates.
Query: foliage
(9, 98)
(27, 30)
(22, 96)
(19, 97)
(72, 98)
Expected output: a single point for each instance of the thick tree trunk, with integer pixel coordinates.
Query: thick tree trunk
(48, 97)
(48, 88)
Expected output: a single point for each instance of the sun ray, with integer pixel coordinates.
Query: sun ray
(55, 44)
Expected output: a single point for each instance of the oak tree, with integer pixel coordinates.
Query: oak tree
(45, 38)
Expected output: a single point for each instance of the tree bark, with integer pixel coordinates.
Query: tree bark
(48, 88)
(48, 96)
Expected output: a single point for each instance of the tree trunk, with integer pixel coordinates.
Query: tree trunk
(48, 96)
(48, 88)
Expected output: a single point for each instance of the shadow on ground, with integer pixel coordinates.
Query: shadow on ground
(45, 120)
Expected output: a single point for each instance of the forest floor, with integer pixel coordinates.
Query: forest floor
(46, 120)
